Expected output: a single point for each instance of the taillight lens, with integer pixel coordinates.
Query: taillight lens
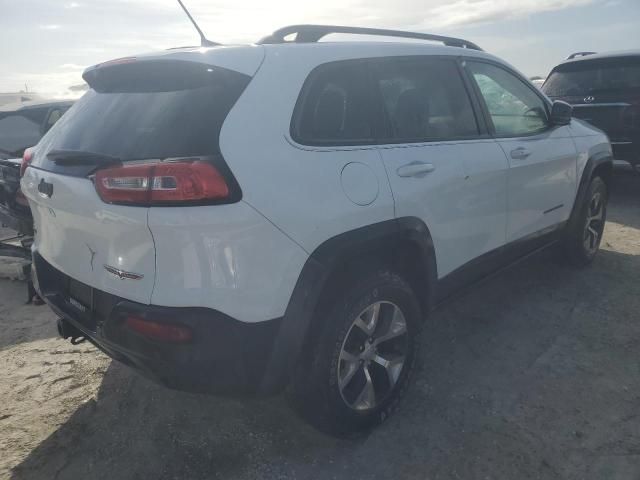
(164, 332)
(162, 183)
(27, 156)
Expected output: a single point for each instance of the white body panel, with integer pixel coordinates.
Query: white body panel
(589, 142)
(244, 259)
(462, 201)
(298, 188)
(78, 234)
(542, 186)
(226, 257)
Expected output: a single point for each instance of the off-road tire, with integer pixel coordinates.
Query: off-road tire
(316, 392)
(575, 243)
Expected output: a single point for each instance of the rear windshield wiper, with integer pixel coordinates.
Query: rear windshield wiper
(78, 157)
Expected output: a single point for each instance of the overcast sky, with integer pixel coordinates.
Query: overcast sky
(47, 43)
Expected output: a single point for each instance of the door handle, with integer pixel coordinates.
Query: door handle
(415, 169)
(520, 153)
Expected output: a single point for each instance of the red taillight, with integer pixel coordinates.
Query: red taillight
(161, 183)
(165, 332)
(27, 156)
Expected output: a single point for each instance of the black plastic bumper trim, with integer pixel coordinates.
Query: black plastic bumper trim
(226, 355)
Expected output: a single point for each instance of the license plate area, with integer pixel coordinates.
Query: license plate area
(80, 297)
(80, 292)
(88, 306)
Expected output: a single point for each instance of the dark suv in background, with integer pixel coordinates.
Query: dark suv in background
(22, 125)
(604, 90)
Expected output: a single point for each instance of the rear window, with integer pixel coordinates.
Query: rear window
(594, 76)
(17, 132)
(424, 99)
(154, 110)
(335, 106)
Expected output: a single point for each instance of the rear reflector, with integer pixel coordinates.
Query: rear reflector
(162, 183)
(165, 332)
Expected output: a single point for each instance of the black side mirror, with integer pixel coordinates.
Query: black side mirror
(561, 113)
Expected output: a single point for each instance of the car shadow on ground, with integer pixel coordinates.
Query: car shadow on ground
(533, 374)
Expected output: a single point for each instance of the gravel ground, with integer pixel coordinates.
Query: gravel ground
(533, 374)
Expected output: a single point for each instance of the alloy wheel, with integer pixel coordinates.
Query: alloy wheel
(594, 224)
(373, 356)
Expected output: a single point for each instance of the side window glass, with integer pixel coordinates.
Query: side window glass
(514, 108)
(53, 117)
(17, 133)
(424, 99)
(334, 107)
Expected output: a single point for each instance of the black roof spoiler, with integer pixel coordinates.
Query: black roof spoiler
(313, 33)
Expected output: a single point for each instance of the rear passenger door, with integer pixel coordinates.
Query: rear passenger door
(542, 158)
(443, 168)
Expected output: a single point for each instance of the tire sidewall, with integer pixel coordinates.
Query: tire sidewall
(383, 286)
(597, 185)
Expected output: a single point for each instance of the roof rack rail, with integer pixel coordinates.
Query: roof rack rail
(313, 33)
(579, 54)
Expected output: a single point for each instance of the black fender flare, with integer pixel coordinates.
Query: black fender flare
(316, 272)
(596, 160)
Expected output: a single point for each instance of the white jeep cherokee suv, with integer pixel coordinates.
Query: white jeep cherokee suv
(240, 219)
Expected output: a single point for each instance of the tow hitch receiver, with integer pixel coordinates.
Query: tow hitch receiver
(67, 330)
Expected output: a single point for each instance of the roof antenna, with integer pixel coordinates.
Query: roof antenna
(204, 41)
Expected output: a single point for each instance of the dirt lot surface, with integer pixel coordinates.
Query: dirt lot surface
(533, 374)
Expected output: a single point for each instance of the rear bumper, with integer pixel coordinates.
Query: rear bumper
(627, 150)
(224, 355)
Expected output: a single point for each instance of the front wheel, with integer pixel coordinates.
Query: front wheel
(362, 359)
(585, 234)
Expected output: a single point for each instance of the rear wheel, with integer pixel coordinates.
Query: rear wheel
(360, 365)
(584, 237)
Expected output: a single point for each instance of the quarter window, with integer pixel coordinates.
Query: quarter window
(424, 99)
(514, 107)
(335, 106)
